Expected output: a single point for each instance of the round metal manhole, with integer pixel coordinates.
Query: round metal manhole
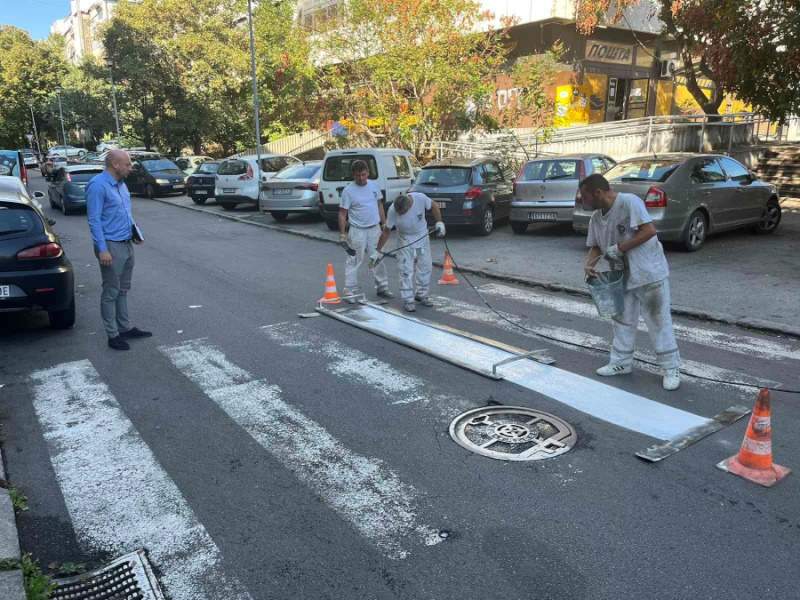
(512, 433)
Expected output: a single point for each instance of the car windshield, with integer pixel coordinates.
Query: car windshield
(161, 164)
(82, 176)
(17, 220)
(643, 170)
(208, 168)
(274, 164)
(444, 176)
(299, 172)
(550, 169)
(339, 168)
(232, 167)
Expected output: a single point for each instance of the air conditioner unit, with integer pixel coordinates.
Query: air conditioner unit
(668, 68)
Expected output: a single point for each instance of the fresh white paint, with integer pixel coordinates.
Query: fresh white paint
(118, 496)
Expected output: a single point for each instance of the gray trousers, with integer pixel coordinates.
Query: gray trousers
(116, 283)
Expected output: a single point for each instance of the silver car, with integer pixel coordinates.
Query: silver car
(545, 188)
(295, 189)
(691, 196)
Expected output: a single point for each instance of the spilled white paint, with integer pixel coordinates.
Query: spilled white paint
(346, 362)
(361, 489)
(571, 338)
(740, 344)
(118, 496)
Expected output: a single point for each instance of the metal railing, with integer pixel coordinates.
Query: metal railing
(291, 144)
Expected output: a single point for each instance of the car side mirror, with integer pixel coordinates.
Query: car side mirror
(38, 195)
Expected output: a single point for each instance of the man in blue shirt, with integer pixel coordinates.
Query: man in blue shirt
(108, 208)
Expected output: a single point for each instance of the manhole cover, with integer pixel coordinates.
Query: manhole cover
(512, 433)
(130, 577)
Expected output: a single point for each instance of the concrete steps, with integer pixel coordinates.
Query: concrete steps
(780, 165)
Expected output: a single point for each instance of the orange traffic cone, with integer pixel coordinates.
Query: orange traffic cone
(754, 461)
(448, 277)
(331, 296)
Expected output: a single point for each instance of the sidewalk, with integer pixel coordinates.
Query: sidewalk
(11, 584)
(737, 277)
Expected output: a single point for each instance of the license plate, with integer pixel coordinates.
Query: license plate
(281, 191)
(5, 291)
(542, 216)
(201, 192)
(178, 186)
(228, 190)
(441, 204)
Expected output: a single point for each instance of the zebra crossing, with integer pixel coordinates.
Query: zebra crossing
(119, 497)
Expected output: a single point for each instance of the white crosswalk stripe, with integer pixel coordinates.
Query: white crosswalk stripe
(740, 344)
(118, 496)
(361, 489)
(572, 338)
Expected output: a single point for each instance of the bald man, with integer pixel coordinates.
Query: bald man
(108, 209)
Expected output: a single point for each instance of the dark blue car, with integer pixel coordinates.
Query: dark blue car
(67, 190)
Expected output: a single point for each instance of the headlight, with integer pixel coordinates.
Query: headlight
(162, 181)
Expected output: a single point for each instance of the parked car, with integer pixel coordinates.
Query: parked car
(691, 196)
(153, 175)
(67, 189)
(545, 188)
(12, 163)
(200, 184)
(238, 178)
(29, 159)
(34, 272)
(468, 191)
(68, 151)
(108, 145)
(189, 164)
(390, 168)
(293, 190)
(52, 162)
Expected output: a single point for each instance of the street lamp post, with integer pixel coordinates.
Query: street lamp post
(255, 90)
(61, 116)
(114, 99)
(35, 132)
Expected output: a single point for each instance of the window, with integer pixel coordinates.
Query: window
(183, 163)
(735, 170)
(643, 170)
(598, 165)
(273, 164)
(339, 168)
(444, 176)
(159, 164)
(208, 168)
(492, 173)
(233, 167)
(707, 171)
(401, 166)
(550, 169)
(83, 176)
(299, 172)
(18, 220)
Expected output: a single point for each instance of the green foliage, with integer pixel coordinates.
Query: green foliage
(18, 500)
(38, 586)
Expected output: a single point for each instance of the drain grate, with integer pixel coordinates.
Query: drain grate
(129, 577)
(512, 433)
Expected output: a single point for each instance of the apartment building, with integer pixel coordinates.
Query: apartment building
(81, 27)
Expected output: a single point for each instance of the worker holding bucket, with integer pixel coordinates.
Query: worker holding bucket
(627, 274)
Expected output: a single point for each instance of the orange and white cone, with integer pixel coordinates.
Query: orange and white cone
(331, 296)
(754, 461)
(448, 277)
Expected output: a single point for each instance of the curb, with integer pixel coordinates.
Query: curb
(757, 325)
(11, 581)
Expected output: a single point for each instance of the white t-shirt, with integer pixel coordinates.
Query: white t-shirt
(361, 202)
(646, 263)
(412, 224)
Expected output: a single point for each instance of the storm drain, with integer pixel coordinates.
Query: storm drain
(512, 433)
(129, 577)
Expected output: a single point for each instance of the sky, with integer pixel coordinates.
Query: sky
(35, 16)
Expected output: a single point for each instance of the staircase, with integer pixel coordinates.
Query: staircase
(780, 165)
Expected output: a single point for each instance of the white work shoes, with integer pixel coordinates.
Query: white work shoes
(672, 379)
(612, 369)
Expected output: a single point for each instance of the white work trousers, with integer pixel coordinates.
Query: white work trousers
(364, 241)
(415, 269)
(652, 301)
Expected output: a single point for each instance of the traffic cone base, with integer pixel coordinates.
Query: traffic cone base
(765, 477)
(331, 296)
(448, 277)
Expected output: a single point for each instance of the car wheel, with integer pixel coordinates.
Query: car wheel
(519, 226)
(63, 319)
(333, 224)
(278, 215)
(150, 191)
(81, 154)
(228, 205)
(694, 236)
(486, 225)
(770, 219)
(199, 200)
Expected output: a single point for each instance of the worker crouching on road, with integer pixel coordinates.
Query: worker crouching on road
(407, 215)
(621, 232)
(362, 209)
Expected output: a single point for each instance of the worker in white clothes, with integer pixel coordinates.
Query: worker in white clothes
(362, 209)
(621, 233)
(407, 215)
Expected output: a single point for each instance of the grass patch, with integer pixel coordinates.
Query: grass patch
(18, 500)
(38, 586)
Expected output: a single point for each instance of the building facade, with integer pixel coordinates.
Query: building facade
(81, 28)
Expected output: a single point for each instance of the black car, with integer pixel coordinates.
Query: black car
(153, 176)
(469, 191)
(67, 190)
(200, 184)
(34, 272)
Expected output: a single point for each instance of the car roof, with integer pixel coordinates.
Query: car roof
(458, 161)
(346, 151)
(83, 167)
(674, 156)
(14, 195)
(576, 156)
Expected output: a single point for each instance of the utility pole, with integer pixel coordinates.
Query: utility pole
(114, 100)
(255, 90)
(61, 116)
(35, 132)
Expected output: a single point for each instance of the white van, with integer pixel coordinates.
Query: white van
(238, 181)
(391, 168)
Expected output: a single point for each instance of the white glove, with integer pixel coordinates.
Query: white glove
(440, 230)
(613, 253)
(375, 258)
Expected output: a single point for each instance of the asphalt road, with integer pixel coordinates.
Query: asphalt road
(259, 455)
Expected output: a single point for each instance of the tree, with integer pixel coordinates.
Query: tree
(404, 72)
(86, 100)
(747, 47)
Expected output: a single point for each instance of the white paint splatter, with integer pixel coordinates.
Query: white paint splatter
(362, 490)
(118, 496)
